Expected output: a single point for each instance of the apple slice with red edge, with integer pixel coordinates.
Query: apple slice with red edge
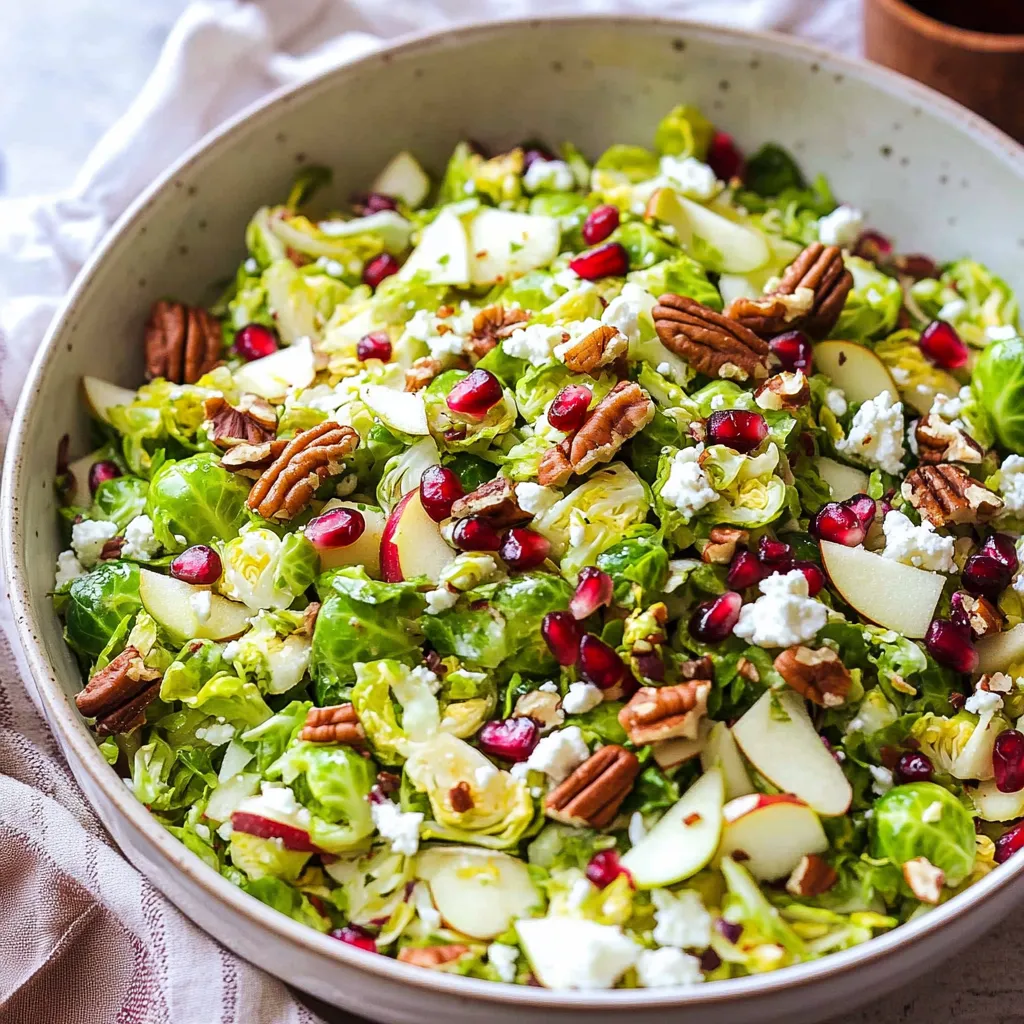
(292, 838)
(411, 544)
(684, 840)
(770, 833)
(365, 550)
(997, 652)
(855, 369)
(778, 738)
(894, 595)
(721, 751)
(171, 603)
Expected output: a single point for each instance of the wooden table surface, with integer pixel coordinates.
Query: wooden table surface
(69, 69)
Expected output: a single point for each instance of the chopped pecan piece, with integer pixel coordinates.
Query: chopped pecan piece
(722, 544)
(182, 342)
(811, 877)
(601, 346)
(252, 460)
(925, 879)
(663, 712)
(939, 441)
(117, 696)
(711, 343)
(817, 675)
(785, 392)
(698, 668)
(748, 670)
(490, 326)
(291, 480)
(336, 724)
(460, 798)
(421, 373)
(111, 549)
(818, 270)
(623, 412)
(436, 957)
(309, 617)
(945, 495)
(494, 501)
(252, 421)
(594, 792)
(982, 615)
(544, 707)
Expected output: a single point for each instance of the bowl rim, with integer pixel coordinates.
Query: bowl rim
(159, 843)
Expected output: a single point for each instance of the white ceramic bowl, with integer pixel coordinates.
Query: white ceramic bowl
(923, 169)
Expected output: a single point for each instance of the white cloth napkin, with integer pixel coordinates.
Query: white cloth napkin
(94, 940)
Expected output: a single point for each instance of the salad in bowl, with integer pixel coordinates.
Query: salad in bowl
(567, 573)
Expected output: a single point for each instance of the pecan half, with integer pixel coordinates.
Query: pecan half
(946, 495)
(421, 373)
(939, 441)
(811, 877)
(437, 958)
(601, 346)
(663, 712)
(490, 326)
(712, 344)
(252, 460)
(117, 696)
(336, 724)
(785, 392)
(182, 342)
(291, 480)
(594, 792)
(722, 544)
(698, 668)
(252, 421)
(817, 675)
(982, 615)
(494, 501)
(623, 412)
(820, 270)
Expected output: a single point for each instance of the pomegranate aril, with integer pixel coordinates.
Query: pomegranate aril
(914, 767)
(254, 341)
(440, 488)
(863, 507)
(376, 345)
(353, 935)
(568, 409)
(379, 268)
(814, 574)
(941, 346)
(605, 867)
(600, 223)
(475, 534)
(336, 528)
(875, 247)
(742, 431)
(511, 739)
(594, 589)
(475, 394)
(199, 565)
(710, 961)
(793, 351)
(600, 664)
(374, 202)
(774, 552)
(951, 645)
(1008, 761)
(744, 571)
(724, 157)
(562, 634)
(714, 620)
(102, 471)
(729, 931)
(1009, 843)
(1001, 547)
(608, 260)
(985, 575)
(840, 524)
(917, 266)
(523, 549)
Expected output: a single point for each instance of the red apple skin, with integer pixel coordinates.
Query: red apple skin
(744, 805)
(266, 828)
(390, 565)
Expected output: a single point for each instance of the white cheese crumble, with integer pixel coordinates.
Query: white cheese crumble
(691, 176)
(876, 434)
(952, 310)
(559, 754)
(983, 702)
(1001, 332)
(216, 734)
(664, 968)
(841, 227)
(919, 546)
(534, 343)
(68, 568)
(251, 266)
(503, 959)
(441, 600)
(201, 603)
(549, 687)
(835, 401)
(88, 538)
(277, 803)
(665, 369)
(1011, 483)
(400, 828)
(681, 920)
(624, 311)
(553, 175)
(536, 498)
(581, 698)
(784, 615)
(882, 780)
(139, 540)
(688, 488)
(932, 813)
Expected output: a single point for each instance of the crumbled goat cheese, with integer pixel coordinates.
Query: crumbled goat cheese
(503, 959)
(581, 698)
(425, 677)
(882, 780)
(1011, 483)
(688, 488)
(68, 568)
(251, 266)
(139, 540)
(217, 734)
(784, 615)
(835, 401)
(441, 600)
(952, 310)
(624, 311)
(664, 968)
(277, 802)
(949, 407)
(444, 336)
(841, 227)
(535, 343)
(549, 687)
(914, 545)
(536, 498)
(400, 828)
(876, 434)
(688, 175)
(88, 538)
(331, 267)
(932, 813)
(983, 702)
(665, 369)
(553, 175)
(201, 603)
(1001, 332)
(681, 920)
(559, 754)
(574, 953)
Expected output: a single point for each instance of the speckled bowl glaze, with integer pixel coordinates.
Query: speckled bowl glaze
(924, 169)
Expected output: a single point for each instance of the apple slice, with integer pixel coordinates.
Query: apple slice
(272, 376)
(845, 481)
(365, 551)
(740, 249)
(774, 831)
(721, 751)
(291, 838)
(787, 750)
(991, 805)
(478, 892)
(572, 952)
(78, 476)
(403, 411)
(674, 752)
(504, 244)
(684, 840)
(233, 791)
(999, 651)
(101, 397)
(171, 602)
(443, 252)
(411, 544)
(885, 591)
(855, 369)
(403, 178)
